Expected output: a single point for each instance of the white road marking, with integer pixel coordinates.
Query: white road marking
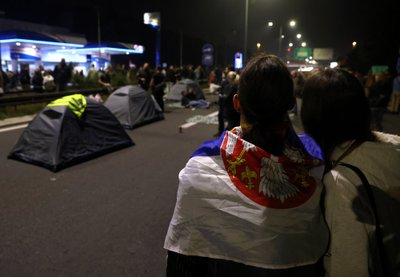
(187, 125)
(190, 124)
(213, 114)
(12, 128)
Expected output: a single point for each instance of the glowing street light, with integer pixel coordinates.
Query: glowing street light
(292, 24)
(303, 44)
(298, 36)
(354, 44)
(258, 46)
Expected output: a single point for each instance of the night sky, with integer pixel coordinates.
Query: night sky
(322, 23)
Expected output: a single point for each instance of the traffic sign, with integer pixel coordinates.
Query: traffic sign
(207, 59)
(207, 49)
(323, 54)
(302, 53)
(207, 54)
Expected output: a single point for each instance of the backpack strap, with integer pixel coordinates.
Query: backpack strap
(378, 234)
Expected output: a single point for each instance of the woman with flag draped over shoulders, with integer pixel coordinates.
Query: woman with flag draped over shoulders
(248, 202)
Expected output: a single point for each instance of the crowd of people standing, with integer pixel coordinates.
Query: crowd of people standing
(65, 76)
(257, 201)
(381, 89)
(41, 80)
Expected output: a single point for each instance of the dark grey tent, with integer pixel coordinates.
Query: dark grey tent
(175, 92)
(59, 137)
(133, 106)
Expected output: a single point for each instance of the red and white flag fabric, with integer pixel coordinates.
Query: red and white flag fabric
(237, 202)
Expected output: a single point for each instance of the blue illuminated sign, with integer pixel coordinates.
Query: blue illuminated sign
(238, 61)
(207, 54)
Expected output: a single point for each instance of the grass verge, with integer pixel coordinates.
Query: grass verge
(20, 110)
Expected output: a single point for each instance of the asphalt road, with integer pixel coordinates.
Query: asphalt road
(104, 217)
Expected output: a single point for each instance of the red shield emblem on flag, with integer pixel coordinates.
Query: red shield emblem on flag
(271, 181)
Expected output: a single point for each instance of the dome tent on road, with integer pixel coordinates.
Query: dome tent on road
(70, 130)
(175, 93)
(133, 106)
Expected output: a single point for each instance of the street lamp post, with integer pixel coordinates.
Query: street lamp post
(280, 40)
(154, 20)
(98, 28)
(246, 15)
(98, 37)
(158, 45)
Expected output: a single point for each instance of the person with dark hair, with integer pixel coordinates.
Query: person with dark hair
(105, 78)
(379, 97)
(298, 80)
(25, 77)
(188, 72)
(336, 113)
(395, 100)
(62, 75)
(248, 202)
(189, 99)
(227, 91)
(157, 86)
(144, 76)
(231, 116)
(170, 74)
(37, 80)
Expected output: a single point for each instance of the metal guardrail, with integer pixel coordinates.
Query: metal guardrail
(23, 98)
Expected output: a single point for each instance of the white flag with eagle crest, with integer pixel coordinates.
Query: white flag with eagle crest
(237, 202)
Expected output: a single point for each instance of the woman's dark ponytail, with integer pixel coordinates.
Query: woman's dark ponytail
(266, 94)
(266, 138)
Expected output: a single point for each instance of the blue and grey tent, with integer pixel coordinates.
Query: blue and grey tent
(70, 130)
(175, 93)
(133, 106)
